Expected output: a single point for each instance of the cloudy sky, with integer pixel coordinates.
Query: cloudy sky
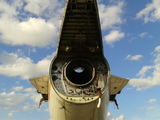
(29, 31)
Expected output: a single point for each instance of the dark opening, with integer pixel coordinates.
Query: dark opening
(79, 72)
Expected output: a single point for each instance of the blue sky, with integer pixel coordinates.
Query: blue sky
(29, 32)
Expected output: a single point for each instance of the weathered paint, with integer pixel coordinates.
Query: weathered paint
(61, 109)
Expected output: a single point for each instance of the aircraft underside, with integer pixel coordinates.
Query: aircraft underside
(79, 85)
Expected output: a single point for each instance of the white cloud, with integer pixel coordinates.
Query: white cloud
(157, 49)
(24, 107)
(10, 114)
(17, 89)
(111, 16)
(143, 34)
(29, 30)
(28, 107)
(119, 118)
(14, 65)
(113, 36)
(142, 83)
(152, 101)
(148, 78)
(35, 97)
(8, 58)
(151, 13)
(19, 28)
(20, 101)
(143, 71)
(33, 32)
(31, 50)
(38, 7)
(46, 110)
(135, 57)
(29, 90)
(21, 89)
(148, 107)
(110, 117)
(11, 100)
(9, 10)
(151, 107)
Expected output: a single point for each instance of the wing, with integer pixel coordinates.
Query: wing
(116, 84)
(41, 83)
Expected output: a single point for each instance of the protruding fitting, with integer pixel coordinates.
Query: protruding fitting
(92, 49)
(68, 49)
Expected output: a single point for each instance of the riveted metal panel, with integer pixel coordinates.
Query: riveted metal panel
(41, 83)
(116, 84)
